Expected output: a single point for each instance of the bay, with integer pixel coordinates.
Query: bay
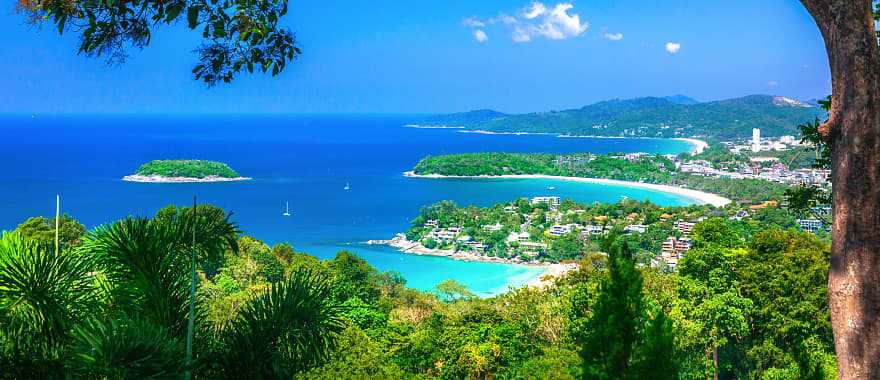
(305, 160)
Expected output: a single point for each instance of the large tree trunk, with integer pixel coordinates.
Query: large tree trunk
(853, 133)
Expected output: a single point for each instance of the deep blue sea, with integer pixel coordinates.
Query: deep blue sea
(303, 160)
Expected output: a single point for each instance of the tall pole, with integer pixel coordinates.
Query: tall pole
(57, 219)
(192, 299)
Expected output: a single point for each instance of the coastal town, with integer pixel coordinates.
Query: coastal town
(547, 229)
(755, 159)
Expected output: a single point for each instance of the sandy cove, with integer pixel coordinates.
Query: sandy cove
(700, 196)
(552, 271)
(163, 179)
(699, 145)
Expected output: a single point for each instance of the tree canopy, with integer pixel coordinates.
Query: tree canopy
(237, 35)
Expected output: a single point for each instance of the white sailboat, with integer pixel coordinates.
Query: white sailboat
(347, 187)
(286, 209)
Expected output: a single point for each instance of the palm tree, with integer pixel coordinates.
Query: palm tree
(147, 261)
(117, 306)
(43, 294)
(288, 329)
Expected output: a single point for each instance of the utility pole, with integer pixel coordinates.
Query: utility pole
(192, 299)
(57, 219)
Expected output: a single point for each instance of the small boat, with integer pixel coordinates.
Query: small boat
(551, 187)
(347, 186)
(286, 209)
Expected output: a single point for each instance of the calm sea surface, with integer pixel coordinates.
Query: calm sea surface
(306, 160)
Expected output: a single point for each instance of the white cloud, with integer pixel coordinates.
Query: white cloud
(473, 22)
(505, 19)
(772, 83)
(571, 24)
(614, 36)
(537, 20)
(534, 10)
(480, 36)
(673, 47)
(519, 34)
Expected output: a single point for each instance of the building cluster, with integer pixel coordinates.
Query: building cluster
(776, 172)
(673, 248)
(762, 144)
(526, 243)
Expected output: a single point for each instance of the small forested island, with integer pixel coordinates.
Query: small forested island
(184, 171)
(639, 168)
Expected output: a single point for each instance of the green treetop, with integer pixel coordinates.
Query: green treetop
(187, 169)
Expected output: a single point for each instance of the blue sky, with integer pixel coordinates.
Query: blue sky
(440, 56)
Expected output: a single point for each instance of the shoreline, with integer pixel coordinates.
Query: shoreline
(697, 145)
(163, 179)
(485, 132)
(699, 196)
(551, 271)
(419, 126)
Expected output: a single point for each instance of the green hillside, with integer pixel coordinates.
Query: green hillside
(654, 117)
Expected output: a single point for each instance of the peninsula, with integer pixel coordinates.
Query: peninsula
(667, 173)
(184, 171)
(668, 117)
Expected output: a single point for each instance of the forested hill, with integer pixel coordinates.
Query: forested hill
(675, 116)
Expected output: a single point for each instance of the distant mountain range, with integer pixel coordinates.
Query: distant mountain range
(672, 116)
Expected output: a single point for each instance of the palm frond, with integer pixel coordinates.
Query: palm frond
(148, 261)
(125, 349)
(43, 293)
(148, 269)
(289, 328)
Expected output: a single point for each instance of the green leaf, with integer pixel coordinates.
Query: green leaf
(219, 29)
(173, 12)
(61, 21)
(192, 16)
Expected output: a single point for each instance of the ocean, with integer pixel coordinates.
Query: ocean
(305, 160)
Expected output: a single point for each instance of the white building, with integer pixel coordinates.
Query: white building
(812, 225)
(756, 140)
(640, 228)
(493, 227)
(684, 227)
(552, 201)
(562, 229)
(668, 252)
(593, 230)
(519, 237)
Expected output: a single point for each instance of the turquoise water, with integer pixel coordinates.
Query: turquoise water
(305, 160)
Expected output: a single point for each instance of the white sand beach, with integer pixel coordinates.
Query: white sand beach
(551, 274)
(551, 271)
(699, 145)
(699, 196)
(162, 179)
